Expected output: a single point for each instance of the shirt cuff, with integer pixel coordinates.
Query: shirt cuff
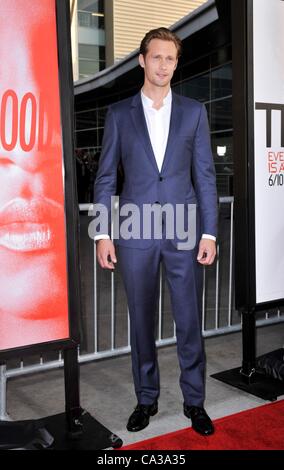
(208, 237)
(101, 237)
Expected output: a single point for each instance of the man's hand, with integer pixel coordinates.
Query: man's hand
(106, 254)
(207, 251)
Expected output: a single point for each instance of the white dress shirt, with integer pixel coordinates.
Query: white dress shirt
(158, 125)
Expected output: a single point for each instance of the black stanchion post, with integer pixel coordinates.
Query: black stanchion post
(72, 394)
(249, 346)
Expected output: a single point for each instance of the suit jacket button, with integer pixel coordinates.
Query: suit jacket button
(161, 178)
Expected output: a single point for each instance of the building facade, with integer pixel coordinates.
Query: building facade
(88, 37)
(105, 31)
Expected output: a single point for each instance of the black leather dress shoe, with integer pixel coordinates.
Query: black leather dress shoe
(200, 420)
(141, 416)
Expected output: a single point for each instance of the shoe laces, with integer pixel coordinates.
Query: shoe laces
(142, 408)
(197, 411)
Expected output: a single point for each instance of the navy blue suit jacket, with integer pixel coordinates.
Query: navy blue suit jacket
(187, 175)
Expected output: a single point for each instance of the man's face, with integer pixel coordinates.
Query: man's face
(160, 62)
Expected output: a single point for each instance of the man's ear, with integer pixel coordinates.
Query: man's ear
(141, 61)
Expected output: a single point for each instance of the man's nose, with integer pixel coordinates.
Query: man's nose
(163, 64)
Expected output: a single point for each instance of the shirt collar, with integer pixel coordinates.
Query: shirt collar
(148, 103)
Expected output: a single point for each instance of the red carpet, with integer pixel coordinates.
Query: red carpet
(260, 428)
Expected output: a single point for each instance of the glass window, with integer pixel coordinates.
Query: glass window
(91, 51)
(86, 138)
(86, 120)
(86, 168)
(102, 116)
(91, 6)
(88, 67)
(91, 14)
(222, 148)
(221, 82)
(197, 88)
(214, 88)
(91, 37)
(221, 117)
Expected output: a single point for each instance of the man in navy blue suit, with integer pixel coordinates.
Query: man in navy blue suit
(162, 141)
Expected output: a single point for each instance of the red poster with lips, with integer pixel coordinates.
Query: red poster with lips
(33, 260)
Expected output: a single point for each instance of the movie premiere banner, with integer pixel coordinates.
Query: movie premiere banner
(268, 51)
(33, 261)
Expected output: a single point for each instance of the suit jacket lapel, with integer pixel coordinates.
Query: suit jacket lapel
(141, 128)
(175, 122)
